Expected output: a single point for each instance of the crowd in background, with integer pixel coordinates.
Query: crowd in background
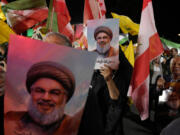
(108, 110)
(165, 89)
(164, 101)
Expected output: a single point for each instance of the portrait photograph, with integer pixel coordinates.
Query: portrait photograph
(103, 38)
(46, 87)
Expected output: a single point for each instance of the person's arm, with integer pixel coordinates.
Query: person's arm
(106, 72)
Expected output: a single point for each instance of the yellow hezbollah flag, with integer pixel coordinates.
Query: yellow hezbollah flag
(2, 17)
(123, 48)
(5, 31)
(129, 53)
(127, 25)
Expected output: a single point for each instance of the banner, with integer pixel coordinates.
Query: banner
(45, 94)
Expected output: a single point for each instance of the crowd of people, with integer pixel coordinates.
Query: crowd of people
(165, 89)
(107, 101)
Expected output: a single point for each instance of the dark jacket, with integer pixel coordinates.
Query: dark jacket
(106, 114)
(162, 117)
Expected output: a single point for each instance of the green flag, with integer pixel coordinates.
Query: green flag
(52, 23)
(170, 43)
(23, 4)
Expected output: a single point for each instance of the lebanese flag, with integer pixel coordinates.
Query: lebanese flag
(4, 1)
(80, 37)
(62, 12)
(21, 20)
(94, 9)
(149, 48)
(23, 14)
(59, 16)
(68, 31)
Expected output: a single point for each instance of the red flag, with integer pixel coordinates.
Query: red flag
(21, 20)
(59, 18)
(68, 31)
(62, 12)
(4, 1)
(23, 14)
(150, 47)
(80, 38)
(94, 9)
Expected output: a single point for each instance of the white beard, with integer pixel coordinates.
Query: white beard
(103, 50)
(45, 119)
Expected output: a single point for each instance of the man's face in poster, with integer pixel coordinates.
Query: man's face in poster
(48, 99)
(47, 95)
(50, 86)
(103, 39)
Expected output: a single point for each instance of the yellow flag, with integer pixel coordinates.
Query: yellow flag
(2, 17)
(129, 53)
(123, 48)
(127, 25)
(5, 31)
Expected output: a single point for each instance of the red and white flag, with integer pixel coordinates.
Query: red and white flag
(149, 48)
(94, 9)
(62, 12)
(24, 14)
(63, 18)
(68, 31)
(4, 1)
(21, 20)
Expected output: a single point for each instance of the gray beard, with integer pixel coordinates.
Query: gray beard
(103, 50)
(45, 119)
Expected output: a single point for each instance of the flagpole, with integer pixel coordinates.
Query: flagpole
(52, 14)
(50, 17)
(99, 9)
(51, 21)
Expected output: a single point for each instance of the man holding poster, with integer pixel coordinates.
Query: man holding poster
(111, 78)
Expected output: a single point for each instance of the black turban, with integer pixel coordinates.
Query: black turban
(54, 71)
(104, 29)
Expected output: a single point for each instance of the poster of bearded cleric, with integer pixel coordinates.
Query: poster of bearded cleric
(46, 87)
(103, 38)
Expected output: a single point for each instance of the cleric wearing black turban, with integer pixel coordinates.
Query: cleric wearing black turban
(50, 85)
(103, 36)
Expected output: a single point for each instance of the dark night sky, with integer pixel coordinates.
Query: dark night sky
(166, 14)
